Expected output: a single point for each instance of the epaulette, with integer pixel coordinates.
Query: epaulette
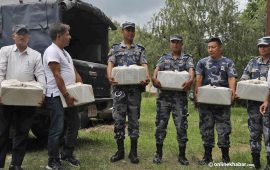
(115, 44)
(139, 45)
(188, 55)
(252, 59)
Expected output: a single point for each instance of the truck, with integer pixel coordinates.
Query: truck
(88, 46)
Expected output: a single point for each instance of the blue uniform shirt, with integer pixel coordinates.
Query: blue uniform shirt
(216, 72)
(256, 69)
(183, 63)
(121, 55)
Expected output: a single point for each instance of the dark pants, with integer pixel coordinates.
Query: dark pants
(212, 116)
(61, 117)
(258, 125)
(126, 103)
(20, 118)
(175, 102)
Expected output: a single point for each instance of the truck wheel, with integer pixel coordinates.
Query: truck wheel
(39, 132)
(85, 120)
(40, 126)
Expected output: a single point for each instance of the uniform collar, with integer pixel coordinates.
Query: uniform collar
(211, 59)
(260, 60)
(125, 46)
(171, 55)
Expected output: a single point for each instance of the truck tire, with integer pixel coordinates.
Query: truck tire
(84, 119)
(41, 125)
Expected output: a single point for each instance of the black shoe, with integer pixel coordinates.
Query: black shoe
(256, 160)
(182, 156)
(225, 154)
(157, 159)
(133, 152)
(183, 160)
(71, 160)
(133, 158)
(205, 161)
(12, 167)
(119, 155)
(207, 158)
(267, 167)
(55, 164)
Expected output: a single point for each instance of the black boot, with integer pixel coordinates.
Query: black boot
(256, 160)
(225, 154)
(267, 167)
(133, 152)
(182, 156)
(207, 156)
(120, 154)
(158, 155)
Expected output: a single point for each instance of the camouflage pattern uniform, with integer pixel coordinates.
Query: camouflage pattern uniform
(126, 98)
(215, 72)
(173, 101)
(257, 124)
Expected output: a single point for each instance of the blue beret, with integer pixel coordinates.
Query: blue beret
(176, 37)
(264, 41)
(128, 24)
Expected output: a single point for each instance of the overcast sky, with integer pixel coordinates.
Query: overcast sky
(137, 11)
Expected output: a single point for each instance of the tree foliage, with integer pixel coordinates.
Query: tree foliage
(196, 21)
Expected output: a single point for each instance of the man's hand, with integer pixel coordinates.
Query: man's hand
(70, 100)
(112, 81)
(187, 84)
(263, 108)
(41, 103)
(145, 82)
(195, 95)
(233, 98)
(236, 97)
(156, 83)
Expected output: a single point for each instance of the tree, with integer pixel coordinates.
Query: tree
(197, 20)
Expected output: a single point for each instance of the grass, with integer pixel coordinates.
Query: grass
(96, 145)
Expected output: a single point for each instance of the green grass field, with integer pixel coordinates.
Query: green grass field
(97, 144)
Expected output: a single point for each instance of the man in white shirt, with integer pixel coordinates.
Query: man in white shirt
(60, 72)
(19, 62)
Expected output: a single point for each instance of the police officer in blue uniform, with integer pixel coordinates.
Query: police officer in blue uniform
(126, 98)
(258, 124)
(220, 71)
(173, 101)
